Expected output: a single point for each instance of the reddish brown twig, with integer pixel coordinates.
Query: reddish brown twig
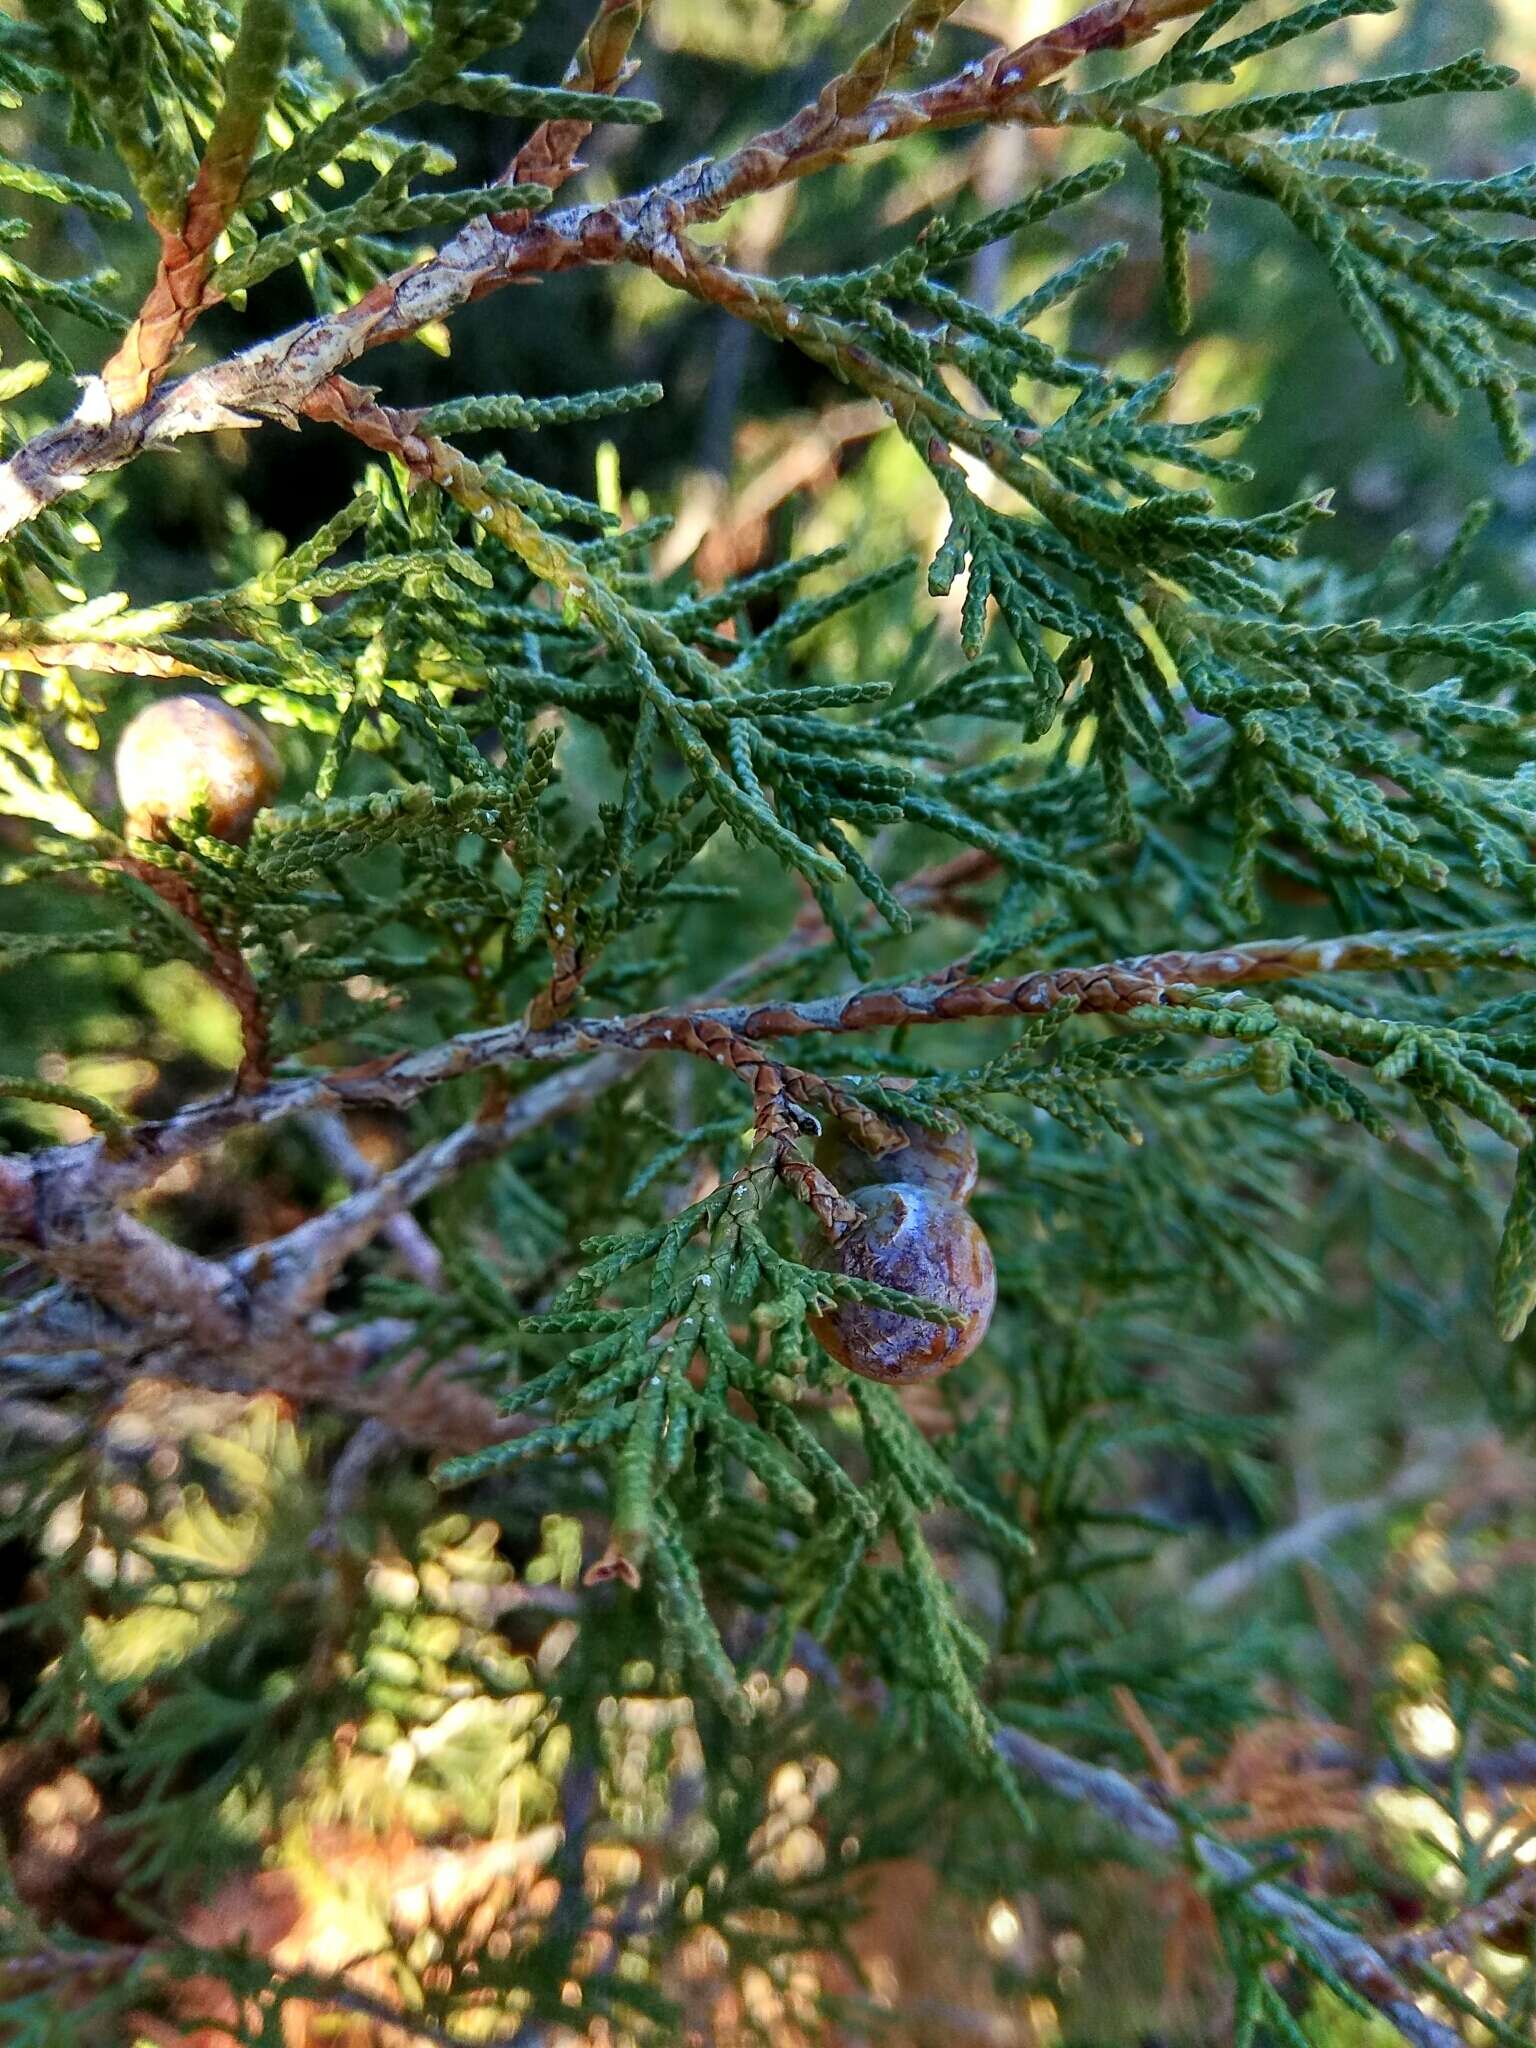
(180, 290)
(773, 1087)
(568, 966)
(844, 117)
(601, 64)
(226, 966)
(276, 378)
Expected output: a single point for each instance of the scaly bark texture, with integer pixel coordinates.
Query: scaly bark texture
(275, 379)
(179, 292)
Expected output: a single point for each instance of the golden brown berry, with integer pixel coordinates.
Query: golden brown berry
(909, 1237)
(942, 1161)
(185, 752)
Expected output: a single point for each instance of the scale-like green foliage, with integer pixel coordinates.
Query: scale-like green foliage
(532, 774)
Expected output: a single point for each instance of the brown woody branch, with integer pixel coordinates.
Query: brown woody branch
(276, 378)
(995, 89)
(36, 1190)
(253, 1321)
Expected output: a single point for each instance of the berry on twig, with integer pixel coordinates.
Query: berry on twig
(944, 1162)
(190, 753)
(909, 1238)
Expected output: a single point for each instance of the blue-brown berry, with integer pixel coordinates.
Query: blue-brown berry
(910, 1238)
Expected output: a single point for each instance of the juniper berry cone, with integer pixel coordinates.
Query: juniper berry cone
(182, 752)
(910, 1238)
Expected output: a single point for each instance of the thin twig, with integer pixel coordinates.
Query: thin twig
(369, 1444)
(1364, 1968)
(1315, 1533)
(421, 1257)
(274, 379)
(601, 64)
(1515, 1904)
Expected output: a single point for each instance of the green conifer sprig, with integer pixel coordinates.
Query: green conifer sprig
(1403, 296)
(387, 210)
(539, 780)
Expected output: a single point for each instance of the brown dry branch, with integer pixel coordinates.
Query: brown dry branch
(276, 379)
(250, 1322)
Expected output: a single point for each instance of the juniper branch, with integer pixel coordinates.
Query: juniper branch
(274, 378)
(63, 1195)
(255, 1320)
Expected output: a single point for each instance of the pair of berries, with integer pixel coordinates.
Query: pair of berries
(194, 757)
(914, 1233)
